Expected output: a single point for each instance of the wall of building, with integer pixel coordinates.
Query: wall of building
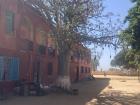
(23, 41)
(36, 54)
(80, 63)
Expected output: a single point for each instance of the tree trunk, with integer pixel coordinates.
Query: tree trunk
(138, 71)
(63, 80)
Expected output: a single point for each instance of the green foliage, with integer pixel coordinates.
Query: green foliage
(130, 38)
(119, 60)
(133, 58)
(134, 24)
(129, 58)
(126, 38)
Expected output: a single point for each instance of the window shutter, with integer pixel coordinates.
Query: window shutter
(9, 22)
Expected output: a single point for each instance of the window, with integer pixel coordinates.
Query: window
(82, 69)
(41, 37)
(1, 67)
(76, 54)
(50, 68)
(72, 58)
(26, 28)
(89, 70)
(9, 68)
(51, 52)
(41, 49)
(9, 22)
(86, 70)
(0, 13)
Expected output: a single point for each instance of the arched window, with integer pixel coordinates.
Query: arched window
(26, 29)
(41, 37)
(51, 42)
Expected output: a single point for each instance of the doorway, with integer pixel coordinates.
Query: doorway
(36, 76)
(77, 74)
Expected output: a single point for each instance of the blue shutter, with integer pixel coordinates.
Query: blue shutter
(6, 68)
(14, 69)
(1, 67)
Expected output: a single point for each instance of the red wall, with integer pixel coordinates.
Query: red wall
(12, 45)
(76, 68)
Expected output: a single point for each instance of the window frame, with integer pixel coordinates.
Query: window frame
(9, 22)
(50, 68)
(82, 69)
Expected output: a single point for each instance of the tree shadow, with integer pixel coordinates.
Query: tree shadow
(88, 90)
(118, 98)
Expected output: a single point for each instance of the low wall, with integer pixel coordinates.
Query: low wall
(114, 73)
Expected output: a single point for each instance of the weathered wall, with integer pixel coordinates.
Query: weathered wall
(24, 42)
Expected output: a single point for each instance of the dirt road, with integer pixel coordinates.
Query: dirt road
(102, 91)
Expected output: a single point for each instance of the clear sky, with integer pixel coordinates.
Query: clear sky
(118, 7)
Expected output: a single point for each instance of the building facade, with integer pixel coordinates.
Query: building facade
(80, 65)
(27, 52)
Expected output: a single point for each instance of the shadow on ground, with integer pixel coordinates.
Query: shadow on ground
(88, 90)
(118, 98)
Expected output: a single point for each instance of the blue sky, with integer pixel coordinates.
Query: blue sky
(118, 7)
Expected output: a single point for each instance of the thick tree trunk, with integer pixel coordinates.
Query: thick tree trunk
(63, 80)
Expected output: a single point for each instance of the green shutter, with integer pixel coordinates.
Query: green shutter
(9, 22)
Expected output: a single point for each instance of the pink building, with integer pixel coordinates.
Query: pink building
(27, 51)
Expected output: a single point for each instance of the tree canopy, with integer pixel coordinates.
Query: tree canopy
(134, 24)
(119, 59)
(130, 40)
(75, 22)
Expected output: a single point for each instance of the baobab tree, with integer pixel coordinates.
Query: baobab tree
(74, 22)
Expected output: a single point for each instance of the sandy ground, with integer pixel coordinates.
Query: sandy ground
(110, 90)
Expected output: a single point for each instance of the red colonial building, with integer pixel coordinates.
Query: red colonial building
(80, 66)
(27, 52)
